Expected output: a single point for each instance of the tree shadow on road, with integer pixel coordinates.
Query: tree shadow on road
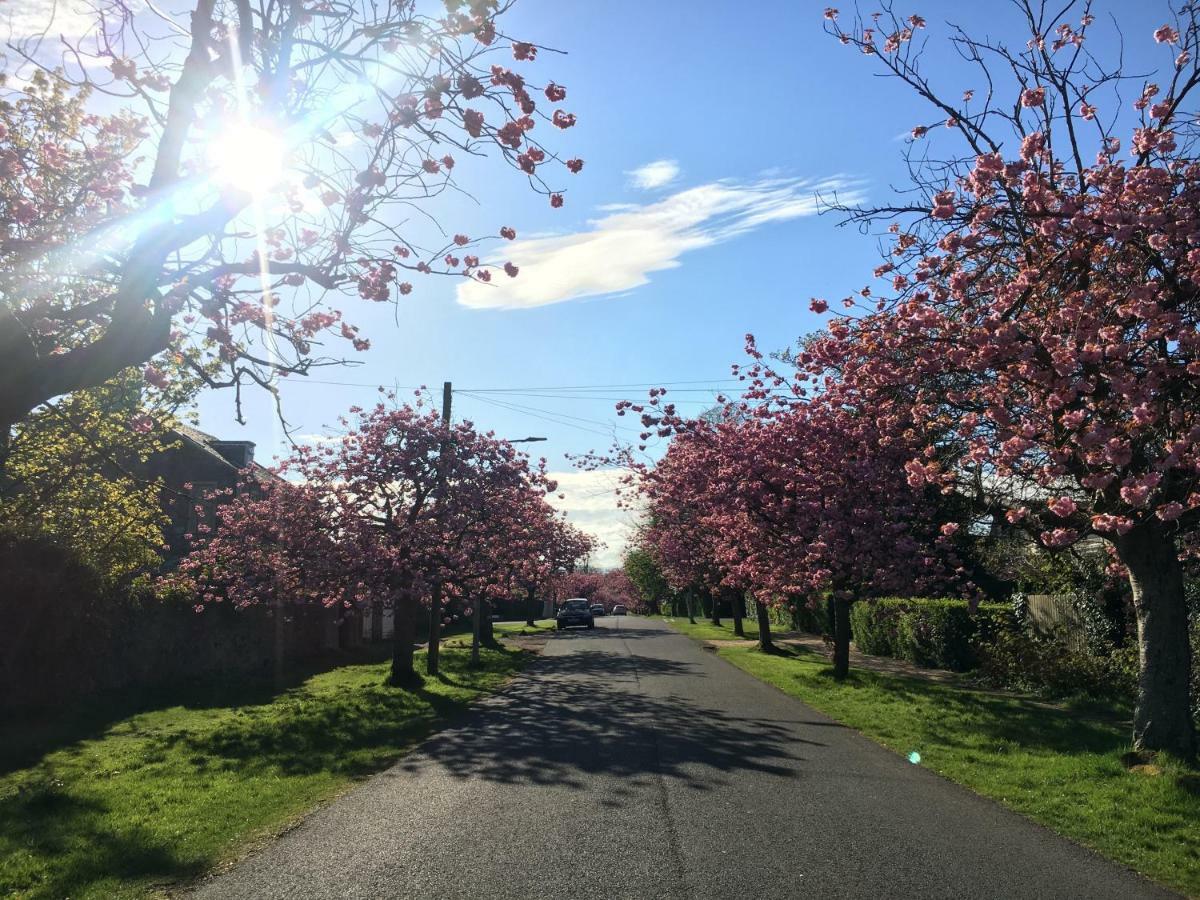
(583, 715)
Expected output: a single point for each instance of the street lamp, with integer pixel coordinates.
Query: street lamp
(527, 440)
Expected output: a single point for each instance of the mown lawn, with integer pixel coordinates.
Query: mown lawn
(124, 796)
(705, 630)
(1057, 766)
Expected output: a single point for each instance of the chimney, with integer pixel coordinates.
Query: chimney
(236, 453)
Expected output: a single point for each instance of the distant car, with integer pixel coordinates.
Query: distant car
(619, 610)
(575, 613)
(597, 610)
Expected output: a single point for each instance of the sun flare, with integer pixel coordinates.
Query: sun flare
(247, 157)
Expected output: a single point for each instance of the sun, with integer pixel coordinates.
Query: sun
(248, 158)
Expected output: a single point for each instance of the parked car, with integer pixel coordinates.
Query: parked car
(619, 610)
(598, 610)
(575, 613)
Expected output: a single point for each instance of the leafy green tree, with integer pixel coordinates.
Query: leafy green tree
(642, 569)
(73, 474)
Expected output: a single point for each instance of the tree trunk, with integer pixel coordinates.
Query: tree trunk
(476, 621)
(433, 653)
(1162, 719)
(487, 628)
(404, 632)
(715, 600)
(841, 639)
(376, 621)
(736, 607)
(765, 643)
(530, 609)
(691, 606)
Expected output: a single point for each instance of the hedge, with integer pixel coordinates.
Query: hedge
(938, 633)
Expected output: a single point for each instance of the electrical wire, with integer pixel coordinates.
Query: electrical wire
(597, 387)
(537, 415)
(551, 412)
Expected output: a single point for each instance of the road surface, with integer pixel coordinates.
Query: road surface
(629, 762)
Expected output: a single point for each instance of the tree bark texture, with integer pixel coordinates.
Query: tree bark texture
(1162, 719)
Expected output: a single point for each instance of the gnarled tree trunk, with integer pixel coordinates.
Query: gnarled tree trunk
(1162, 719)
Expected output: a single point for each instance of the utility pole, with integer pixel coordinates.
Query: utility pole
(435, 599)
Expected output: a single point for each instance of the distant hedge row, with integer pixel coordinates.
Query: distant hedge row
(943, 634)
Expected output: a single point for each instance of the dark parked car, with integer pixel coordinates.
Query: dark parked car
(619, 610)
(598, 610)
(575, 613)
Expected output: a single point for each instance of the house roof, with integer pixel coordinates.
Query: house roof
(207, 444)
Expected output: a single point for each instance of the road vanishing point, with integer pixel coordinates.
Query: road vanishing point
(629, 762)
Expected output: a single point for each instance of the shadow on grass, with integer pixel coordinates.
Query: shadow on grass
(1029, 723)
(34, 734)
(352, 732)
(45, 819)
(995, 716)
(61, 834)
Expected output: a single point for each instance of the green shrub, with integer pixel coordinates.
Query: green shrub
(928, 632)
(1052, 666)
(810, 617)
(874, 626)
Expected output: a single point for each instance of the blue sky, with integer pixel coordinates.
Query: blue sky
(743, 109)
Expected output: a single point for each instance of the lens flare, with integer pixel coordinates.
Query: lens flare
(247, 157)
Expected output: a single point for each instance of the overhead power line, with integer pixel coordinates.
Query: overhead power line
(597, 387)
(556, 419)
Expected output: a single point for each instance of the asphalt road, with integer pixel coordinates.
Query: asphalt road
(629, 762)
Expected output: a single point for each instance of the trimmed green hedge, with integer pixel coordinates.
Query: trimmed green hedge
(939, 633)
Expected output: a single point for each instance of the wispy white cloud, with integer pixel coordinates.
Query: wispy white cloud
(618, 252)
(590, 502)
(654, 175)
(30, 18)
(319, 438)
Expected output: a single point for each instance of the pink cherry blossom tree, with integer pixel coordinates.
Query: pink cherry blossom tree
(781, 499)
(202, 189)
(1037, 333)
(404, 511)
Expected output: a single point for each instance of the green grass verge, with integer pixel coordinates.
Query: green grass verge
(705, 630)
(1054, 765)
(122, 796)
(541, 626)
